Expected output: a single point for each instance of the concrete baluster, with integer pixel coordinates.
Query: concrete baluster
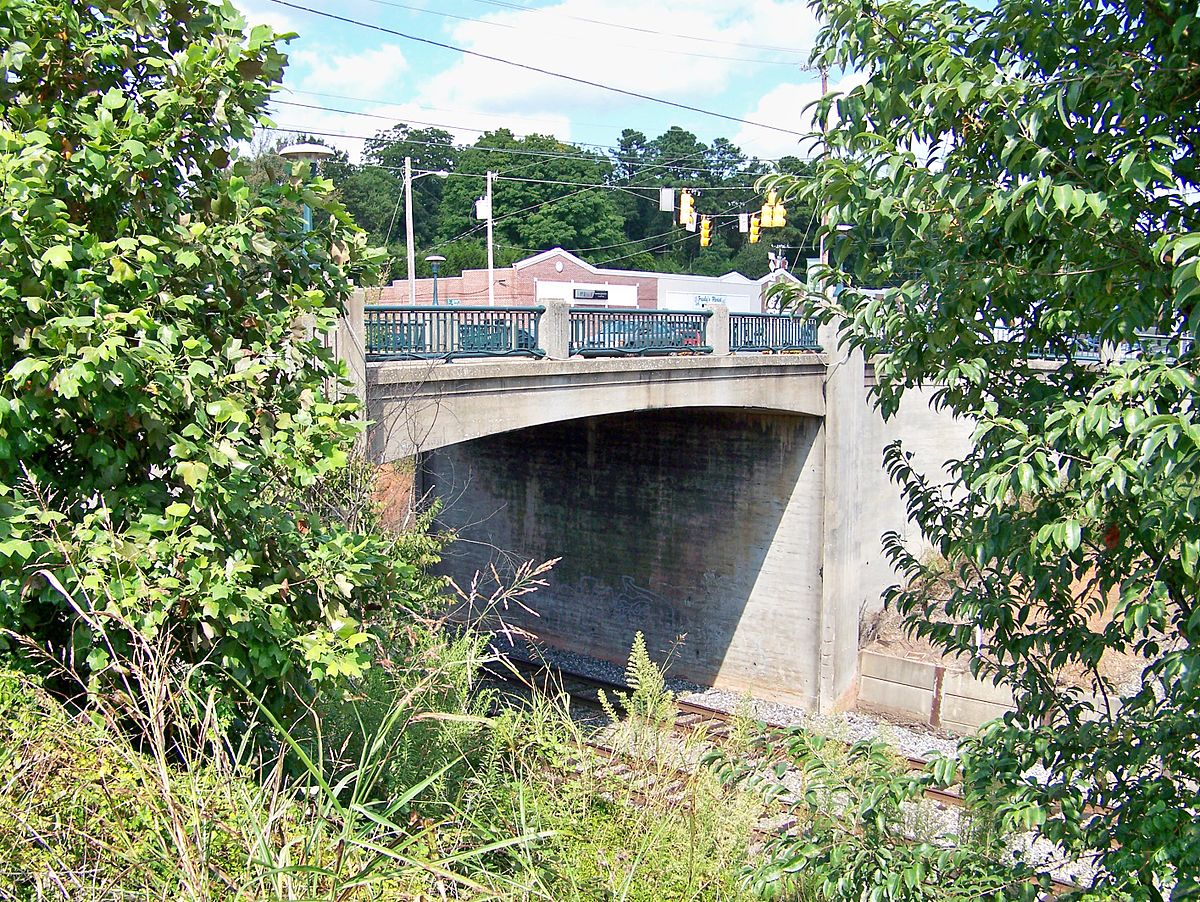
(718, 330)
(554, 330)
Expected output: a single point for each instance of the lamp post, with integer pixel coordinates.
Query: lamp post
(434, 260)
(306, 152)
(409, 178)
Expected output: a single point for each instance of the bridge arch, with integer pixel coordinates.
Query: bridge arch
(423, 406)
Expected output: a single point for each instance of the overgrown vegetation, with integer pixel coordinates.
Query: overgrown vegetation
(161, 403)
(861, 825)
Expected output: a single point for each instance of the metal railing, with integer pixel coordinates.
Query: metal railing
(771, 332)
(1158, 344)
(1083, 348)
(402, 332)
(600, 332)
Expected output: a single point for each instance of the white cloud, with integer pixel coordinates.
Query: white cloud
(260, 14)
(789, 106)
(689, 71)
(377, 72)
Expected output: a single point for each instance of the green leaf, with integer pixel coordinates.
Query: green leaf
(58, 256)
(193, 473)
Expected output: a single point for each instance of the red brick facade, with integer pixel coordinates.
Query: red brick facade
(517, 285)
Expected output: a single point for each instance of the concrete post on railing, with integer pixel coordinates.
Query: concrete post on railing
(718, 330)
(350, 342)
(554, 330)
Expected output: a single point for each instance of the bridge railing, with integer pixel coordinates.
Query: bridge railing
(1160, 344)
(1081, 348)
(772, 332)
(402, 332)
(600, 332)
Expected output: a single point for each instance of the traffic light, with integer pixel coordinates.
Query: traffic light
(705, 232)
(687, 208)
(774, 216)
(755, 228)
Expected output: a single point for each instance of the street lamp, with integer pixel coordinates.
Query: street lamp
(306, 152)
(434, 260)
(409, 178)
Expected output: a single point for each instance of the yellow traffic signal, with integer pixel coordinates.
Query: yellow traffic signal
(705, 232)
(774, 216)
(687, 208)
(755, 227)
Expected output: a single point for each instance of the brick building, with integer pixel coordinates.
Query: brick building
(557, 274)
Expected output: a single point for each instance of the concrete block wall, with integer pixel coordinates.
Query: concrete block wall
(929, 693)
(704, 524)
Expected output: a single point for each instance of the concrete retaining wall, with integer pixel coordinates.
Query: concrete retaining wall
(928, 693)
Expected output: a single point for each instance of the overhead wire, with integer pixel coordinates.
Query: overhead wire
(507, 115)
(665, 34)
(531, 68)
(518, 152)
(599, 157)
(709, 56)
(584, 250)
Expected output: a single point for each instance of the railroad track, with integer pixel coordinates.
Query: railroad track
(692, 718)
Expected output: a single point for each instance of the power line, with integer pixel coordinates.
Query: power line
(510, 27)
(606, 149)
(627, 187)
(604, 155)
(665, 34)
(583, 250)
(435, 109)
(648, 250)
(505, 216)
(516, 151)
(571, 78)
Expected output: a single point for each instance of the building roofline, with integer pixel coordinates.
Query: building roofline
(731, 276)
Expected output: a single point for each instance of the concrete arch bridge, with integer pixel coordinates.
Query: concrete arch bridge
(703, 489)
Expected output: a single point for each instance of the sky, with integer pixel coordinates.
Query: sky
(735, 57)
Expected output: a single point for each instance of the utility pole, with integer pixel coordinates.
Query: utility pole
(824, 252)
(408, 222)
(491, 261)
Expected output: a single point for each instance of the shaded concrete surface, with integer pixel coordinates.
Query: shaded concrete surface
(704, 524)
(422, 405)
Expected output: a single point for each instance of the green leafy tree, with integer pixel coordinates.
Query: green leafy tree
(373, 192)
(1034, 169)
(533, 215)
(162, 404)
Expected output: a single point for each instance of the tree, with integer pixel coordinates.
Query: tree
(541, 206)
(1034, 168)
(162, 406)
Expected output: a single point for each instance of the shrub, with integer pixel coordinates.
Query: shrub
(161, 407)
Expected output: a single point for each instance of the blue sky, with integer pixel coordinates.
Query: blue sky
(730, 56)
